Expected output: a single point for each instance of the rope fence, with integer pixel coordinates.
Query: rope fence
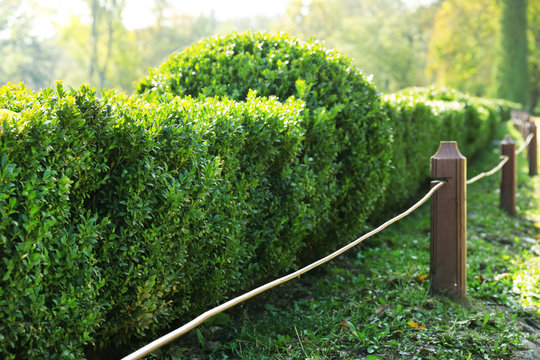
(154, 345)
(489, 173)
(447, 235)
(526, 125)
(525, 144)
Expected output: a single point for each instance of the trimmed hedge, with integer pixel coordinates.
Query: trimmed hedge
(119, 217)
(421, 118)
(50, 304)
(347, 134)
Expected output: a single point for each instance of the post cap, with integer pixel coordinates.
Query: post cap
(448, 150)
(507, 140)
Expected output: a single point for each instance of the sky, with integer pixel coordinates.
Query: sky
(223, 9)
(137, 12)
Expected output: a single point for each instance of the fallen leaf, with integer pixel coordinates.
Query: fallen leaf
(480, 279)
(421, 278)
(416, 326)
(344, 325)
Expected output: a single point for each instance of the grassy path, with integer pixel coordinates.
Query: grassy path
(374, 303)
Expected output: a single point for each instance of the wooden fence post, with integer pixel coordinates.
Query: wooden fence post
(449, 223)
(508, 176)
(533, 150)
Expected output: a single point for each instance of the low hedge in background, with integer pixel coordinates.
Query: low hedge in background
(420, 119)
(499, 106)
(119, 216)
(347, 134)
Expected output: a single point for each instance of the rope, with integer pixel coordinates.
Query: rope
(501, 164)
(205, 316)
(491, 172)
(525, 144)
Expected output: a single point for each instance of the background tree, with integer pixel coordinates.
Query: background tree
(511, 68)
(533, 11)
(461, 47)
(389, 40)
(107, 59)
(119, 56)
(450, 42)
(171, 32)
(386, 38)
(106, 17)
(25, 56)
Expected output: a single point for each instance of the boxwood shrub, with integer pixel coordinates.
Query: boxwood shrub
(119, 216)
(420, 119)
(347, 138)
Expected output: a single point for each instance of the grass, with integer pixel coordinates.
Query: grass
(374, 303)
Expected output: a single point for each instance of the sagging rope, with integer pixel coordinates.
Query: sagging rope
(525, 144)
(503, 161)
(154, 345)
(491, 172)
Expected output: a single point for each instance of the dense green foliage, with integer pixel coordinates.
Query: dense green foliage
(511, 72)
(120, 215)
(421, 118)
(460, 50)
(533, 35)
(347, 136)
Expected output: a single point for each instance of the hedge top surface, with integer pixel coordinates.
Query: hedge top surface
(231, 65)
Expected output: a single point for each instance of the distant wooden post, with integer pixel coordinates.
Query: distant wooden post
(508, 176)
(449, 223)
(532, 153)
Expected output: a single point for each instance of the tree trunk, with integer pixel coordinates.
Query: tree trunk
(94, 8)
(512, 78)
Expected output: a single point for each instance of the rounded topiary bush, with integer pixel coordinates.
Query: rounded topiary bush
(348, 138)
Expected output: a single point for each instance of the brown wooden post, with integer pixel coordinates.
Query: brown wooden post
(532, 153)
(449, 223)
(508, 176)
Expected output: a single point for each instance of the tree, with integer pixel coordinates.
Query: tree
(384, 37)
(461, 47)
(102, 52)
(25, 56)
(171, 32)
(389, 40)
(534, 52)
(105, 14)
(511, 69)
